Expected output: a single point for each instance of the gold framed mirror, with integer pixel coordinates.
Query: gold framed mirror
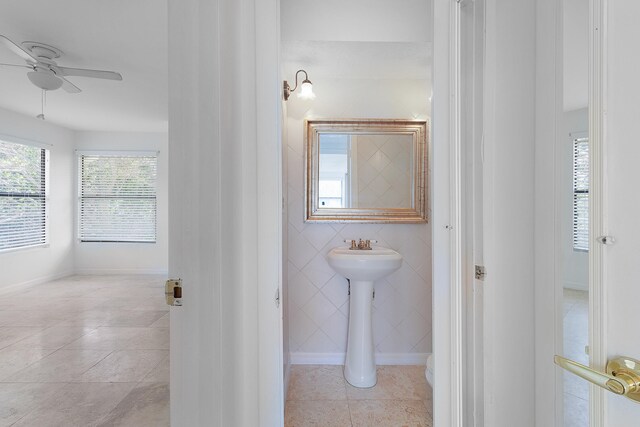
(366, 171)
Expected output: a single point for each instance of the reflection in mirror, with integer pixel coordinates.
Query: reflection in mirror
(365, 171)
(371, 171)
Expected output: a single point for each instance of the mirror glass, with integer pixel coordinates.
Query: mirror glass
(366, 171)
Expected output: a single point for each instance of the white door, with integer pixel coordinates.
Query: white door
(621, 210)
(600, 342)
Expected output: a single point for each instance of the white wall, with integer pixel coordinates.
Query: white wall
(356, 20)
(56, 259)
(318, 302)
(575, 85)
(105, 258)
(574, 264)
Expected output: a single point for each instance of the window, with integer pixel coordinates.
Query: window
(581, 194)
(334, 163)
(117, 197)
(23, 195)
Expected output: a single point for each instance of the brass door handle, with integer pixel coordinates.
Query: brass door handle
(622, 376)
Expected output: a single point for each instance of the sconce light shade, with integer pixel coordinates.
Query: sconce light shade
(306, 87)
(306, 90)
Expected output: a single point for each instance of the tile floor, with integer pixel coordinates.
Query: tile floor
(85, 351)
(576, 337)
(319, 396)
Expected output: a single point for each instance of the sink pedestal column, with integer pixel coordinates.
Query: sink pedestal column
(360, 365)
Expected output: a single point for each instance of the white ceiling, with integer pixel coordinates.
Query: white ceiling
(127, 36)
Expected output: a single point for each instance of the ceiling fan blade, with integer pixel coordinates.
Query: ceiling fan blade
(14, 65)
(68, 86)
(17, 49)
(98, 74)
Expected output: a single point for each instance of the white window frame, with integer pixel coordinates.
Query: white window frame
(109, 153)
(45, 148)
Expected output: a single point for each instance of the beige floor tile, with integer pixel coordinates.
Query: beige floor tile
(576, 411)
(11, 335)
(162, 322)
(84, 347)
(54, 337)
(152, 302)
(576, 386)
(151, 339)
(60, 366)
(428, 401)
(12, 361)
(145, 405)
(395, 383)
(159, 374)
(107, 338)
(317, 413)
(114, 317)
(316, 382)
(576, 337)
(17, 400)
(68, 304)
(44, 318)
(389, 413)
(80, 404)
(124, 366)
(53, 290)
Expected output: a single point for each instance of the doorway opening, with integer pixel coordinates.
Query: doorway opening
(374, 68)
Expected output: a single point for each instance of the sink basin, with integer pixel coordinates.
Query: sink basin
(362, 268)
(369, 265)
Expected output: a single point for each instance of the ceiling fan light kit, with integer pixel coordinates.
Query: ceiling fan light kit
(45, 80)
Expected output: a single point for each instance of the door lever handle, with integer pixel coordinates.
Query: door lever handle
(622, 376)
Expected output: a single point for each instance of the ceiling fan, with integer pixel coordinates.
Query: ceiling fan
(45, 72)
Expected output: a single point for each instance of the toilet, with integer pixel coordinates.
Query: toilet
(429, 370)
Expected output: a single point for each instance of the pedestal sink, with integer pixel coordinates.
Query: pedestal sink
(362, 268)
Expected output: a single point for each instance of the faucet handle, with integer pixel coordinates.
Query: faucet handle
(352, 242)
(367, 243)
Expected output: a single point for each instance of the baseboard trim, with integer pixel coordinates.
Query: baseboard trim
(36, 281)
(576, 286)
(338, 358)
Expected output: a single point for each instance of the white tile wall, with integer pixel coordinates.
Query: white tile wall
(318, 303)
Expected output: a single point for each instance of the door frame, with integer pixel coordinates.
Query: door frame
(447, 219)
(549, 133)
(226, 350)
(597, 205)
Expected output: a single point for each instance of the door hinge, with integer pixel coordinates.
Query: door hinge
(173, 292)
(481, 272)
(278, 298)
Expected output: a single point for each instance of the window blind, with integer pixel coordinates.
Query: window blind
(23, 195)
(117, 198)
(581, 194)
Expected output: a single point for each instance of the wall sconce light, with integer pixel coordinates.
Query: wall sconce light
(306, 87)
